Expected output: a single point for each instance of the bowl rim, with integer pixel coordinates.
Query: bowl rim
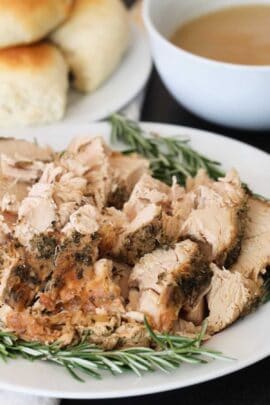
(151, 28)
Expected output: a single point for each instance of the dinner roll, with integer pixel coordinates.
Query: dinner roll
(94, 40)
(26, 21)
(33, 85)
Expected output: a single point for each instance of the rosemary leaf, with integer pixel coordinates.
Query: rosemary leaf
(168, 156)
(169, 352)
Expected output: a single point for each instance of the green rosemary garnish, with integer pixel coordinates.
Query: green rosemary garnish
(84, 358)
(168, 156)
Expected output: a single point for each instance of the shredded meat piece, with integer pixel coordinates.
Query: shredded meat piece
(94, 154)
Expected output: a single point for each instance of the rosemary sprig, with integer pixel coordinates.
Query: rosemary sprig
(84, 358)
(168, 156)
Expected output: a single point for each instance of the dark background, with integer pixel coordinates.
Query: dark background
(250, 386)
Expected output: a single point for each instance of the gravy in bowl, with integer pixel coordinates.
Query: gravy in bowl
(239, 35)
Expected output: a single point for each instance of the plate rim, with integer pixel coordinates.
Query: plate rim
(198, 130)
(133, 392)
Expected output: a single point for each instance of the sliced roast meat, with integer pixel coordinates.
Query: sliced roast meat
(228, 299)
(165, 281)
(217, 219)
(255, 250)
(143, 217)
(89, 240)
(140, 236)
(217, 229)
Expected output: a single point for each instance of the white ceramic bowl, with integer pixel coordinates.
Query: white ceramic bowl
(228, 94)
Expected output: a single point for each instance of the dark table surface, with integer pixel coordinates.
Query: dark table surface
(250, 386)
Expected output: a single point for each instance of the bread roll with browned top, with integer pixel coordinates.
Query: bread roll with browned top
(26, 21)
(94, 40)
(33, 85)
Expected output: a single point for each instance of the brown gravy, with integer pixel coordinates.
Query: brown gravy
(238, 35)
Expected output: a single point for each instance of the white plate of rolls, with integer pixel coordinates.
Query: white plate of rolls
(71, 60)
